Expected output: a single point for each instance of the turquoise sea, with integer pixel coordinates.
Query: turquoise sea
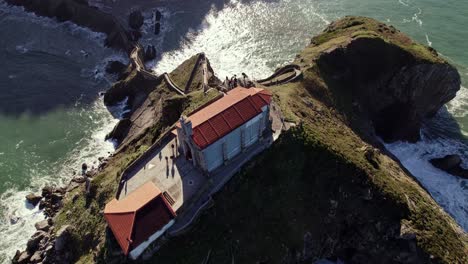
(52, 119)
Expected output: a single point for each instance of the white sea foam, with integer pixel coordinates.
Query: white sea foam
(429, 43)
(449, 191)
(458, 107)
(18, 218)
(403, 3)
(236, 41)
(17, 223)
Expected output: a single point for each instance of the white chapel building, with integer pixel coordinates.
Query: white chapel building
(218, 132)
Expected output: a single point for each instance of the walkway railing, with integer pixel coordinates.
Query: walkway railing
(291, 68)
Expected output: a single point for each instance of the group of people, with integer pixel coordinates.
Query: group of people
(234, 81)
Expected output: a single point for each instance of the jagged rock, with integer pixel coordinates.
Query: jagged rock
(120, 130)
(397, 82)
(34, 241)
(22, 257)
(47, 191)
(33, 199)
(62, 237)
(36, 257)
(136, 19)
(150, 53)
(42, 225)
(447, 163)
(158, 15)
(451, 164)
(157, 28)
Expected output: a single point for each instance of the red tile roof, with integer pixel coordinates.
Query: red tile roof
(139, 215)
(226, 114)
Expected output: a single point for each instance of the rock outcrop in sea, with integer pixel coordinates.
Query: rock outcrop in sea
(396, 82)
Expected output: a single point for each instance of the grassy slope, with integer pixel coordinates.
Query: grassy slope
(85, 215)
(265, 211)
(181, 75)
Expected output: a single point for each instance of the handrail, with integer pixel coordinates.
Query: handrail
(288, 68)
(171, 84)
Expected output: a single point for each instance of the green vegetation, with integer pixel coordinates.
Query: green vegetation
(181, 75)
(85, 213)
(347, 29)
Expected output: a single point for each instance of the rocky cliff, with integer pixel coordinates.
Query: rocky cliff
(396, 82)
(80, 13)
(328, 189)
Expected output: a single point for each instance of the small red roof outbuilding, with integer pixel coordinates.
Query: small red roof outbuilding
(138, 216)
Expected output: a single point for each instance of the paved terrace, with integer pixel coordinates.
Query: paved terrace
(170, 172)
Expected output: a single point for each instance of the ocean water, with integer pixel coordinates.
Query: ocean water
(51, 118)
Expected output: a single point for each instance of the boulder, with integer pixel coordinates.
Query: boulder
(136, 19)
(22, 257)
(451, 164)
(447, 163)
(158, 15)
(47, 191)
(120, 130)
(33, 199)
(36, 257)
(42, 225)
(63, 236)
(157, 28)
(150, 53)
(34, 241)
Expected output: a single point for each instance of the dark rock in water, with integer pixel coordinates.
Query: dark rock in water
(115, 67)
(33, 199)
(14, 220)
(158, 15)
(448, 162)
(150, 53)
(451, 164)
(136, 19)
(120, 130)
(157, 28)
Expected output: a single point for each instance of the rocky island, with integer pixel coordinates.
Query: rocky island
(326, 189)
